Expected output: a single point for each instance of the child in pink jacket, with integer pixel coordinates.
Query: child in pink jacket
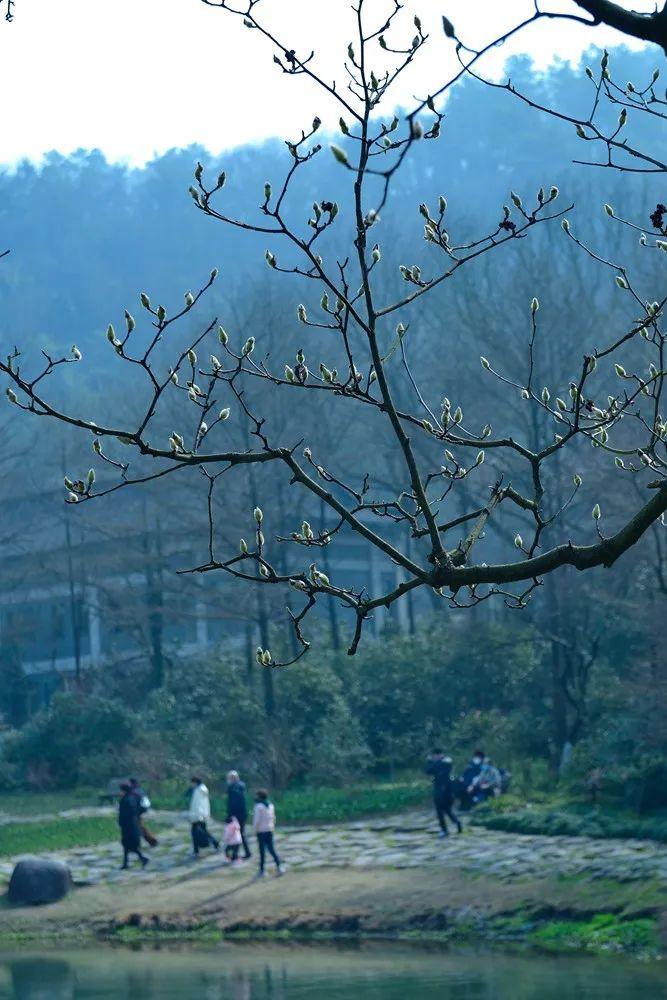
(264, 824)
(232, 838)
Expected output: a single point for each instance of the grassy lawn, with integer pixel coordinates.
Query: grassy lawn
(38, 803)
(313, 805)
(334, 805)
(56, 835)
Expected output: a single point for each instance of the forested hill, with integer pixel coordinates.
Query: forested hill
(87, 235)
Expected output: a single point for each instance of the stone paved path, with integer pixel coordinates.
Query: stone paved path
(386, 842)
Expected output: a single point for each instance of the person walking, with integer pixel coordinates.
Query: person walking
(128, 821)
(264, 825)
(232, 839)
(440, 769)
(199, 814)
(236, 806)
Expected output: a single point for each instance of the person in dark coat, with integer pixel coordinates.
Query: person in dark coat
(130, 829)
(236, 806)
(468, 778)
(440, 769)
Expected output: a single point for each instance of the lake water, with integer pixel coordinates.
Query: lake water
(252, 971)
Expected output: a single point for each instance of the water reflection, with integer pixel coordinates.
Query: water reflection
(301, 972)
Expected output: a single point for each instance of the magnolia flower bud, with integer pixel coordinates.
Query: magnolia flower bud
(553, 193)
(270, 259)
(596, 512)
(458, 415)
(316, 123)
(198, 171)
(248, 347)
(266, 658)
(76, 353)
(214, 274)
(484, 362)
(592, 364)
(222, 336)
(145, 301)
(90, 478)
(301, 313)
(343, 126)
(518, 541)
(577, 480)
(480, 458)
(515, 199)
(174, 378)
(416, 129)
(561, 404)
(189, 299)
(192, 357)
(622, 118)
(621, 282)
(400, 329)
(580, 132)
(267, 191)
(609, 210)
(71, 498)
(566, 225)
(289, 373)
(449, 456)
(258, 515)
(534, 305)
(221, 179)
(339, 154)
(259, 654)
(620, 371)
(546, 395)
(111, 334)
(525, 394)
(224, 414)
(375, 253)
(428, 426)
(372, 377)
(486, 430)
(97, 447)
(619, 463)
(243, 546)
(215, 363)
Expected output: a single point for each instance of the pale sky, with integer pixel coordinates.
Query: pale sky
(137, 77)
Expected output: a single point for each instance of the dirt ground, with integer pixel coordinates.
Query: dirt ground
(347, 901)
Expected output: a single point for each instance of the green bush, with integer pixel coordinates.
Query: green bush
(77, 739)
(559, 822)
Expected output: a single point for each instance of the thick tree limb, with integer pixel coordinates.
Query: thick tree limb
(648, 27)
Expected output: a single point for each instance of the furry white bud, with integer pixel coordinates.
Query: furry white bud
(224, 414)
(248, 347)
(192, 357)
(534, 305)
(596, 512)
(258, 515)
(222, 336)
(76, 353)
(484, 362)
(577, 480)
(189, 299)
(518, 541)
(301, 313)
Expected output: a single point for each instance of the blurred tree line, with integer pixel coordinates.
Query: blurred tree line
(582, 668)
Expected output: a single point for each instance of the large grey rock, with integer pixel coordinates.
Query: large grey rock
(39, 880)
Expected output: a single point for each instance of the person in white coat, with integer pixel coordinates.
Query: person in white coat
(199, 814)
